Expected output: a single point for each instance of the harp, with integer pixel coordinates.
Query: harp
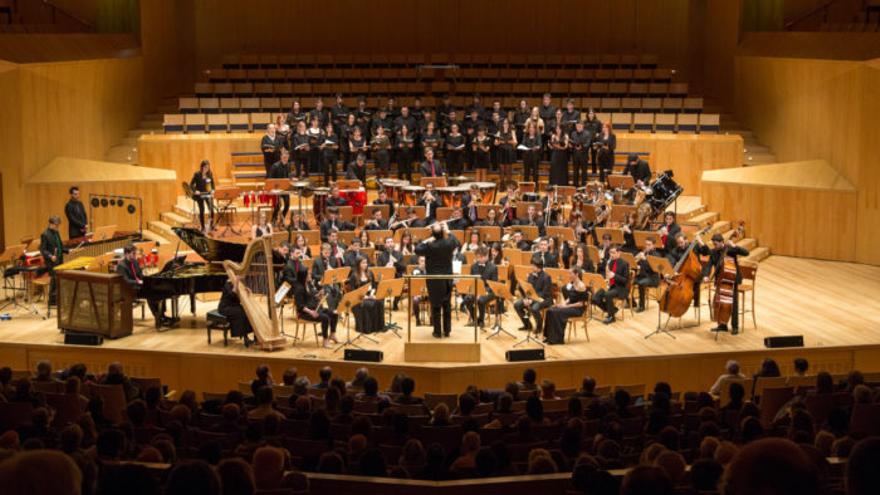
(256, 290)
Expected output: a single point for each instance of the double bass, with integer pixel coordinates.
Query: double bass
(725, 283)
(679, 292)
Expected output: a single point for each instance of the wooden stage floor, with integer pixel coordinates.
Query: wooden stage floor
(833, 305)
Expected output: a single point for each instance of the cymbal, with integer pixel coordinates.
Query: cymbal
(301, 184)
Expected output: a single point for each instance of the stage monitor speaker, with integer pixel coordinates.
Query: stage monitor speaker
(364, 355)
(784, 341)
(525, 355)
(83, 339)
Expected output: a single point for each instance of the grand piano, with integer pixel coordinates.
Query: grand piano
(180, 278)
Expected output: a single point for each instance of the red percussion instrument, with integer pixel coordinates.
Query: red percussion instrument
(356, 198)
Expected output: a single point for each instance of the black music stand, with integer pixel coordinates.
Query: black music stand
(346, 305)
(661, 266)
(226, 211)
(391, 289)
(502, 293)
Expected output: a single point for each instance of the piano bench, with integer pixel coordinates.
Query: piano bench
(216, 321)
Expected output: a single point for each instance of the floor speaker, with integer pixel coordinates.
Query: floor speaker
(525, 355)
(363, 355)
(83, 339)
(784, 341)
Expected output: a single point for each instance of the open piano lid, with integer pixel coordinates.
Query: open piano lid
(208, 248)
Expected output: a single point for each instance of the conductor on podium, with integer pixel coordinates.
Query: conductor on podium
(437, 251)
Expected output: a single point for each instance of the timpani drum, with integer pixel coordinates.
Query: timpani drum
(319, 201)
(412, 194)
(487, 191)
(356, 198)
(451, 196)
(394, 188)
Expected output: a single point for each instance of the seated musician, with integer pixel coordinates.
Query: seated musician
(668, 231)
(298, 222)
(389, 256)
(580, 259)
(134, 277)
(520, 243)
(302, 248)
(543, 254)
(575, 298)
(429, 201)
(353, 254)
(357, 169)
(431, 167)
(377, 222)
(491, 219)
(261, 228)
(326, 261)
(411, 221)
(474, 243)
(469, 203)
(369, 315)
(487, 271)
(293, 267)
(638, 169)
(334, 199)
(617, 275)
(334, 224)
(543, 287)
(508, 205)
(418, 298)
(458, 221)
(646, 277)
(308, 307)
(230, 307)
(383, 199)
(52, 251)
(717, 253)
(281, 170)
(533, 218)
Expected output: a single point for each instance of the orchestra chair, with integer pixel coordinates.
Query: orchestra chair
(113, 397)
(216, 321)
(301, 324)
(772, 400)
(747, 288)
(41, 284)
(573, 323)
(622, 304)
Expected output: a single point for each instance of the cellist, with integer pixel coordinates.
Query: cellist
(717, 253)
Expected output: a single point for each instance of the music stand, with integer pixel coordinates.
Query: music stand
(530, 293)
(620, 181)
(529, 232)
(594, 282)
(103, 233)
(391, 288)
(226, 210)
(501, 291)
(488, 233)
(436, 181)
(8, 257)
(616, 234)
(661, 266)
(346, 305)
(565, 234)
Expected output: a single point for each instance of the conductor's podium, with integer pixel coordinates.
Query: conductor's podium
(463, 343)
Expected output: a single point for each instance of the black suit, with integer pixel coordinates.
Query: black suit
(438, 261)
(76, 219)
(303, 298)
(388, 202)
(549, 259)
(716, 265)
(328, 225)
(382, 224)
(399, 266)
(355, 171)
(647, 277)
(426, 169)
(544, 287)
(270, 147)
(618, 290)
(672, 231)
(487, 271)
(133, 276)
(319, 267)
(50, 244)
(640, 171)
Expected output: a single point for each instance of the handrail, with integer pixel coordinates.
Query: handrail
(55, 8)
(820, 8)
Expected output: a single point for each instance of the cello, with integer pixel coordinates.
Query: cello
(679, 292)
(725, 282)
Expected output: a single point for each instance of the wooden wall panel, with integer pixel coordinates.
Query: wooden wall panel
(809, 109)
(76, 109)
(687, 155)
(793, 222)
(447, 26)
(167, 47)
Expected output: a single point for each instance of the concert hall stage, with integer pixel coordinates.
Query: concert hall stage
(832, 304)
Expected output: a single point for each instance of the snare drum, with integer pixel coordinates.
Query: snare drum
(393, 188)
(412, 194)
(452, 196)
(356, 198)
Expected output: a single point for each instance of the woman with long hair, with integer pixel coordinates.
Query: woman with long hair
(369, 315)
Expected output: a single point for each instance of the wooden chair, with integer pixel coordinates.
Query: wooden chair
(302, 323)
(747, 288)
(573, 322)
(772, 400)
(114, 400)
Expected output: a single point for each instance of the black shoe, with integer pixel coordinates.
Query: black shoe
(609, 320)
(734, 331)
(446, 334)
(168, 322)
(469, 323)
(418, 322)
(525, 328)
(247, 341)
(435, 335)
(720, 328)
(481, 323)
(640, 309)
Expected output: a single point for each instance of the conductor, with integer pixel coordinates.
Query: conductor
(437, 251)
